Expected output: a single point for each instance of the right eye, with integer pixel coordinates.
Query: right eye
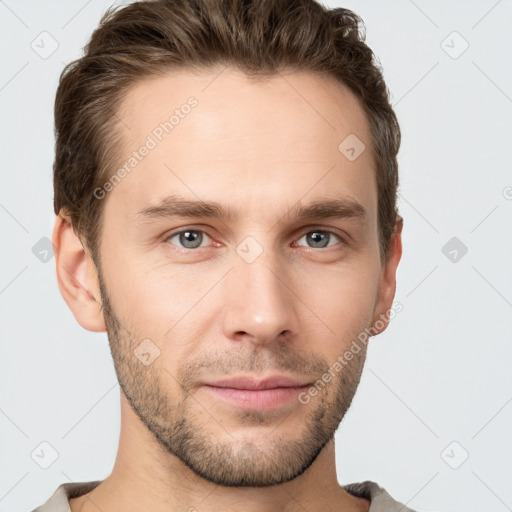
(189, 239)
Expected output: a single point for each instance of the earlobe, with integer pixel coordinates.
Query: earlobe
(77, 276)
(387, 283)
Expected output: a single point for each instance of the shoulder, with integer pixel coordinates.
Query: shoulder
(59, 500)
(381, 500)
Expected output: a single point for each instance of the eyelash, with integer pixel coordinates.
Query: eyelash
(314, 230)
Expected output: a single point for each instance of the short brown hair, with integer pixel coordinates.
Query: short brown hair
(259, 37)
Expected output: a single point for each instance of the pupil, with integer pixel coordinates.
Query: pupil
(190, 237)
(315, 237)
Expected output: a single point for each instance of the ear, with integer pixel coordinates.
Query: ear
(387, 282)
(77, 276)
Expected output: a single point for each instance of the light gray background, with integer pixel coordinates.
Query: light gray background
(437, 383)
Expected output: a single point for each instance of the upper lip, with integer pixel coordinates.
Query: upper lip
(246, 382)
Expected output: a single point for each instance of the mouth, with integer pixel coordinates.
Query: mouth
(257, 394)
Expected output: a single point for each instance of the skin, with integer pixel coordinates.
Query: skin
(259, 148)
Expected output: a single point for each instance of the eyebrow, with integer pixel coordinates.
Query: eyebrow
(176, 206)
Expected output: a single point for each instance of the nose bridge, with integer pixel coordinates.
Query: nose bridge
(260, 303)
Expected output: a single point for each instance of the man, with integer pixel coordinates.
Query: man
(225, 190)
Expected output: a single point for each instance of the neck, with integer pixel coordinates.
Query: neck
(146, 476)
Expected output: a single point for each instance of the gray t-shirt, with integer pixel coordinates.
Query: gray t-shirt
(380, 499)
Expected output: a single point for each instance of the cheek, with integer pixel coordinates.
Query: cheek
(149, 301)
(344, 301)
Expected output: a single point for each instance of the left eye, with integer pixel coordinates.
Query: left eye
(193, 238)
(319, 239)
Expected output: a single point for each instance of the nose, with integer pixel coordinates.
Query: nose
(261, 305)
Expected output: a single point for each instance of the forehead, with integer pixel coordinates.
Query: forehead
(280, 135)
(228, 99)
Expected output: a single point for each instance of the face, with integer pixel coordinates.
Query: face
(224, 254)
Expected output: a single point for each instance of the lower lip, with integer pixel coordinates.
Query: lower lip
(260, 399)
